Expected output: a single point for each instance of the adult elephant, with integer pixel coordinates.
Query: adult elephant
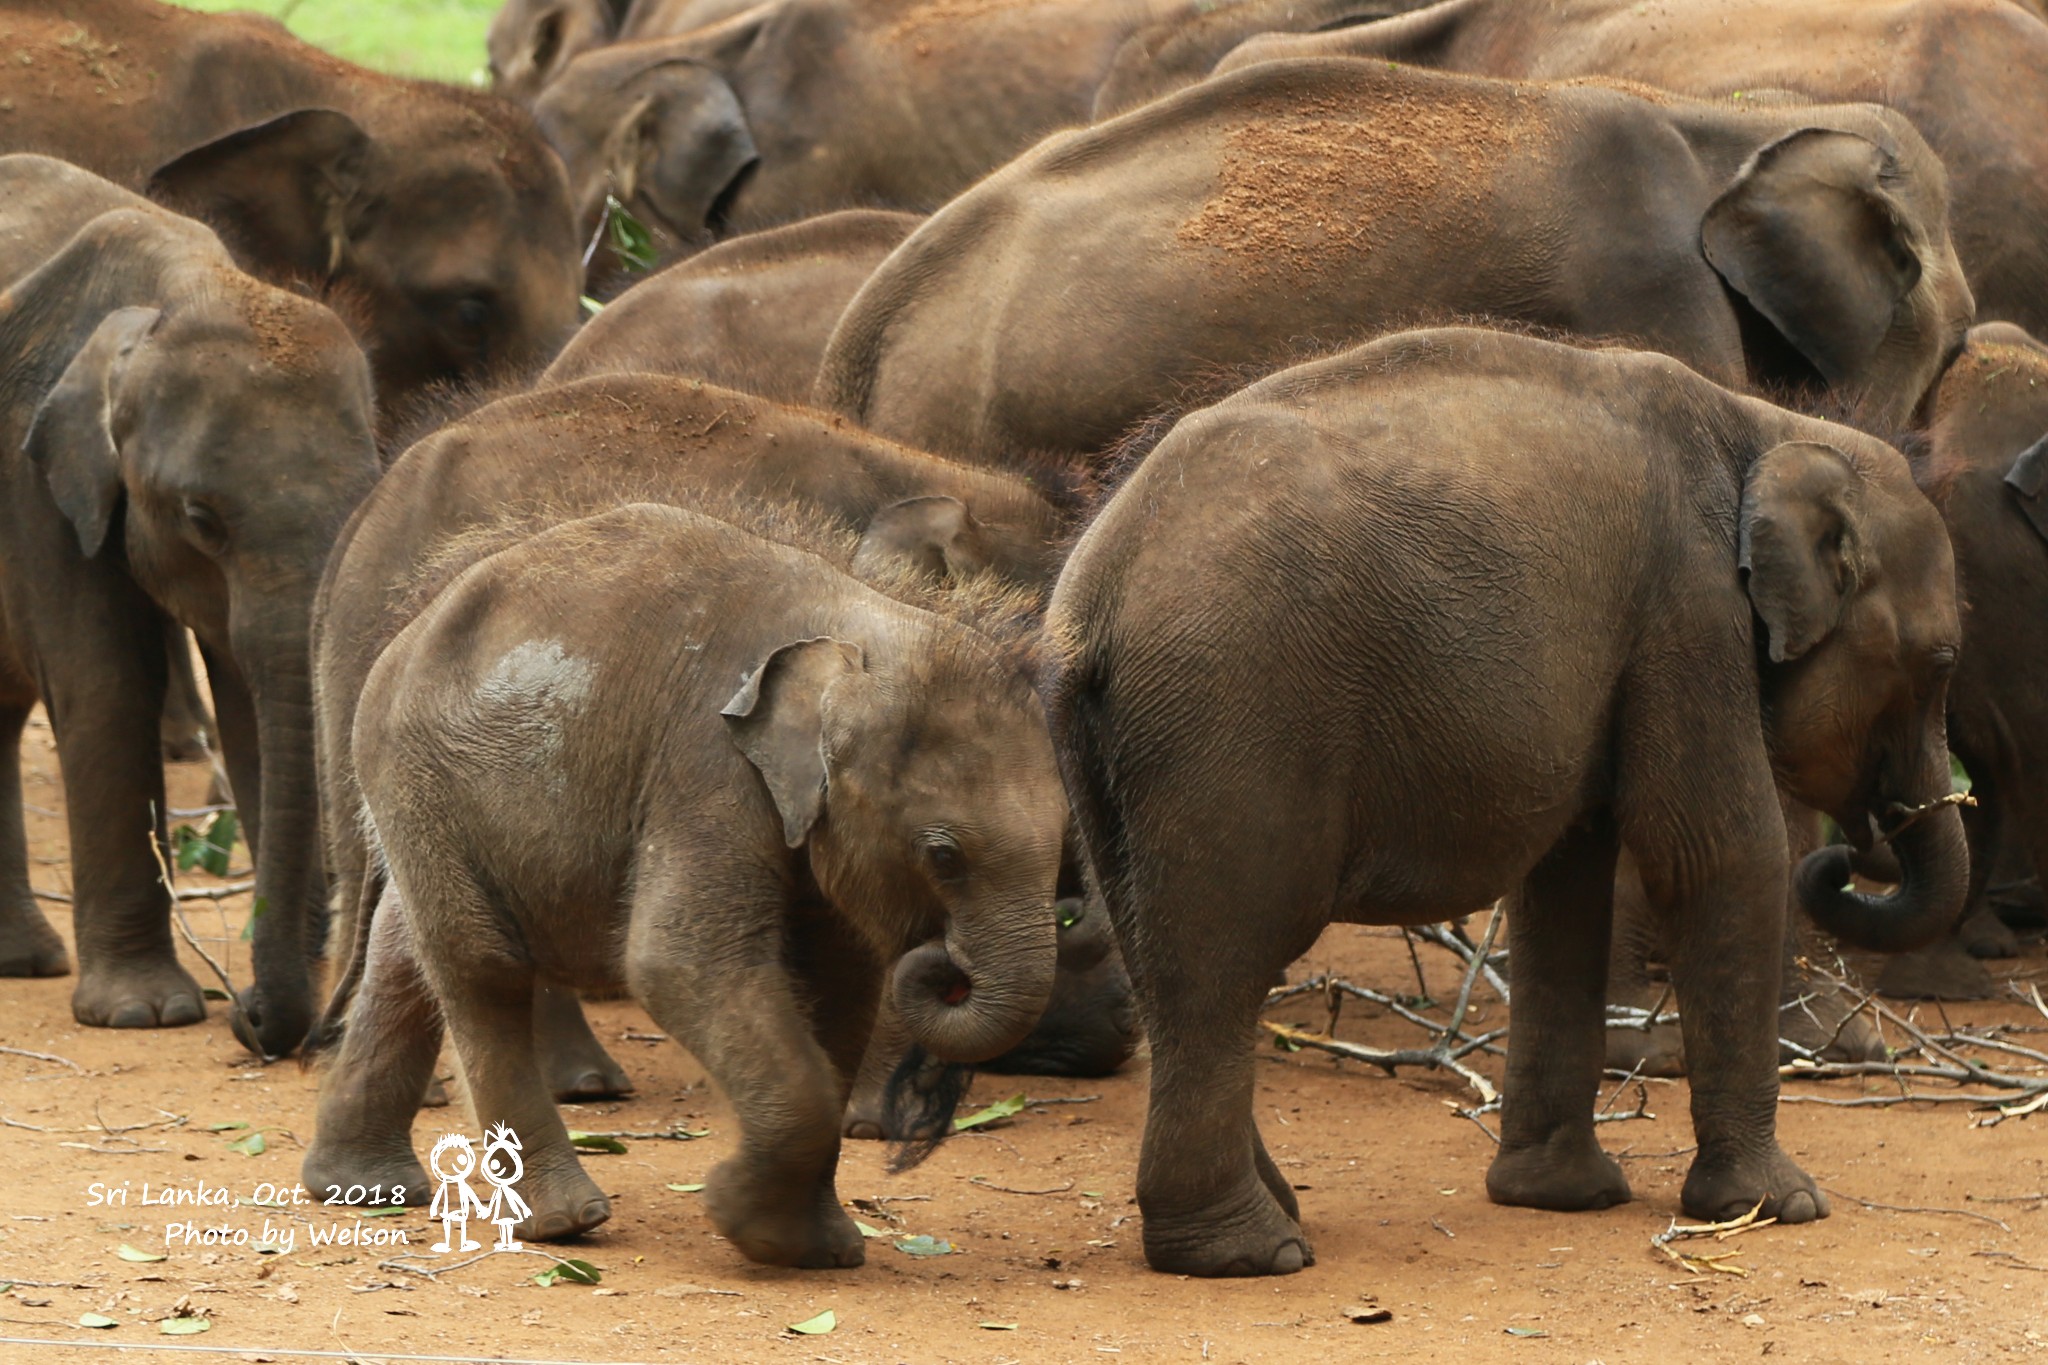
(179, 442)
(1477, 612)
(434, 213)
(799, 107)
(1087, 284)
(1968, 73)
(753, 313)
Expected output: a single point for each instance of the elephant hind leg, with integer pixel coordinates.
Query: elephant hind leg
(1559, 930)
(577, 1066)
(29, 946)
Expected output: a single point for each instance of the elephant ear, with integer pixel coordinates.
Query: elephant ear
(777, 719)
(2028, 479)
(71, 436)
(281, 192)
(1811, 238)
(682, 148)
(935, 535)
(1798, 539)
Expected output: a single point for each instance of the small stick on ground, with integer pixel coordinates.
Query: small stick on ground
(1911, 1208)
(1006, 1189)
(43, 1057)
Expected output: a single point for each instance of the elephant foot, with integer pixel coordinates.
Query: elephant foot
(137, 994)
(1567, 1174)
(565, 1203)
(1943, 971)
(863, 1119)
(30, 947)
(1720, 1190)
(184, 744)
(389, 1168)
(1984, 934)
(1263, 1241)
(1819, 1019)
(578, 1074)
(769, 1227)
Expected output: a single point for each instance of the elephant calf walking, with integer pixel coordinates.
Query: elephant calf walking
(1457, 614)
(781, 780)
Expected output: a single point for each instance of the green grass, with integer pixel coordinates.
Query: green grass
(443, 39)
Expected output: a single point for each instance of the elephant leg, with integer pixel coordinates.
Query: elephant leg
(185, 725)
(1558, 933)
(709, 967)
(486, 988)
(379, 1078)
(1728, 984)
(864, 1119)
(577, 1066)
(28, 945)
(1637, 941)
(105, 697)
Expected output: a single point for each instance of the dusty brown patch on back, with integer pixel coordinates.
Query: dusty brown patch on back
(923, 23)
(279, 322)
(1305, 188)
(1975, 374)
(62, 61)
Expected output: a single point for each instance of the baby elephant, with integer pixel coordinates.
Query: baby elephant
(1457, 614)
(779, 780)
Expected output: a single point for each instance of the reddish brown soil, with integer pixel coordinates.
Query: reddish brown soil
(1390, 1179)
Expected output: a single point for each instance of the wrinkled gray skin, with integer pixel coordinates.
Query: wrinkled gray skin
(1966, 72)
(1181, 49)
(578, 449)
(782, 782)
(180, 443)
(1555, 588)
(753, 313)
(800, 107)
(433, 214)
(1066, 298)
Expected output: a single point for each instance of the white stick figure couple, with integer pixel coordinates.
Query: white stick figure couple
(455, 1202)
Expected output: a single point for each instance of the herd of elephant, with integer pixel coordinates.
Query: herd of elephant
(1104, 489)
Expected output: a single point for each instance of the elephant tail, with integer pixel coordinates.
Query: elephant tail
(333, 1020)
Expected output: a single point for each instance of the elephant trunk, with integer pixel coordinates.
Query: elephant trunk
(1933, 882)
(977, 995)
(274, 1012)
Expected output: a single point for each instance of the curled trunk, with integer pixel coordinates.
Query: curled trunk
(972, 998)
(1934, 882)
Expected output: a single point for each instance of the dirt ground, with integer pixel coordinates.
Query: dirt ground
(1046, 1262)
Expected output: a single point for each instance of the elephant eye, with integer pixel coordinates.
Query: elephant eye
(944, 857)
(472, 314)
(207, 527)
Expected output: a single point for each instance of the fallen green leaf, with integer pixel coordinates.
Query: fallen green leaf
(225, 1127)
(214, 993)
(869, 1229)
(1525, 1332)
(686, 1189)
(597, 1142)
(387, 1211)
(1091, 1194)
(1001, 1109)
(96, 1320)
(129, 1253)
(252, 1145)
(924, 1244)
(574, 1271)
(818, 1326)
(185, 1327)
(998, 1326)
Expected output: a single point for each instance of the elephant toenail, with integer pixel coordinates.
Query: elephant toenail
(182, 1010)
(133, 1014)
(1288, 1259)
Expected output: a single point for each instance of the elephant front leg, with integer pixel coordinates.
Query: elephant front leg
(363, 1134)
(28, 945)
(713, 977)
(1728, 983)
(104, 699)
(1559, 931)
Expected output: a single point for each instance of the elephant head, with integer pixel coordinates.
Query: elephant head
(213, 442)
(530, 41)
(452, 234)
(1851, 575)
(1840, 242)
(658, 126)
(929, 804)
